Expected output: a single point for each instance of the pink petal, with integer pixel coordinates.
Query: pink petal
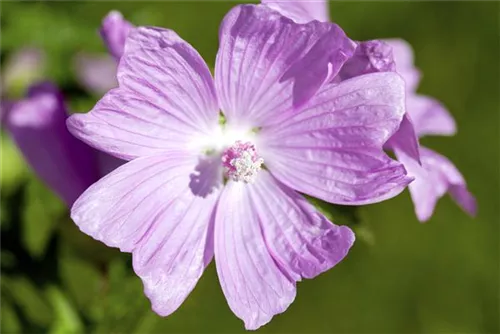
(151, 207)
(301, 11)
(165, 100)
(369, 57)
(332, 149)
(255, 287)
(403, 56)
(267, 65)
(114, 32)
(301, 240)
(433, 179)
(405, 139)
(427, 187)
(37, 125)
(429, 116)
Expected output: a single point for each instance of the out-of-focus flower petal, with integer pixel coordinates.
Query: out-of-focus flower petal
(433, 179)
(267, 65)
(165, 100)
(114, 32)
(301, 11)
(152, 208)
(332, 149)
(369, 57)
(97, 73)
(37, 125)
(301, 240)
(403, 56)
(429, 116)
(254, 285)
(405, 139)
(22, 68)
(5, 107)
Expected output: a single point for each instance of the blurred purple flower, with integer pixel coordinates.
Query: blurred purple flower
(194, 188)
(37, 124)
(21, 68)
(434, 174)
(97, 72)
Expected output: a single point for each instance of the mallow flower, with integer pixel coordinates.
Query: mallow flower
(217, 165)
(97, 72)
(434, 174)
(37, 124)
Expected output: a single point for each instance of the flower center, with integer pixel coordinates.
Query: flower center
(241, 162)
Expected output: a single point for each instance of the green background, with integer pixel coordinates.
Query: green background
(400, 277)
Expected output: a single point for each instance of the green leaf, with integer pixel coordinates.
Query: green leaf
(8, 259)
(10, 322)
(345, 215)
(66, 317)
(13, 167)
(125, 304)
(338, 214)
(40, 217)
(81, 104)
(82, 280)
(5, 221)
(29, 299)
(85, 246)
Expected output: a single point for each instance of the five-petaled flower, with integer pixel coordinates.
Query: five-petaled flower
(197, 188)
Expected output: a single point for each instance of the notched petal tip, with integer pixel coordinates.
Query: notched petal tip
(256, 321)
(76, 124)
(348, 237)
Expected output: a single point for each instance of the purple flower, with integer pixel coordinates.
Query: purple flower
(98, 72)
(114, 32)
(436, 175)
(196, 187)
(38, 126)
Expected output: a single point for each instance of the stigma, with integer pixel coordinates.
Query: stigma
(241, 162)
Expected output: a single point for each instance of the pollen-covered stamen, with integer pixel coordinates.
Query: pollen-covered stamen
(241, 162)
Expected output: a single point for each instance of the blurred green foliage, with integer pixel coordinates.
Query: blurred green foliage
(400, 277)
